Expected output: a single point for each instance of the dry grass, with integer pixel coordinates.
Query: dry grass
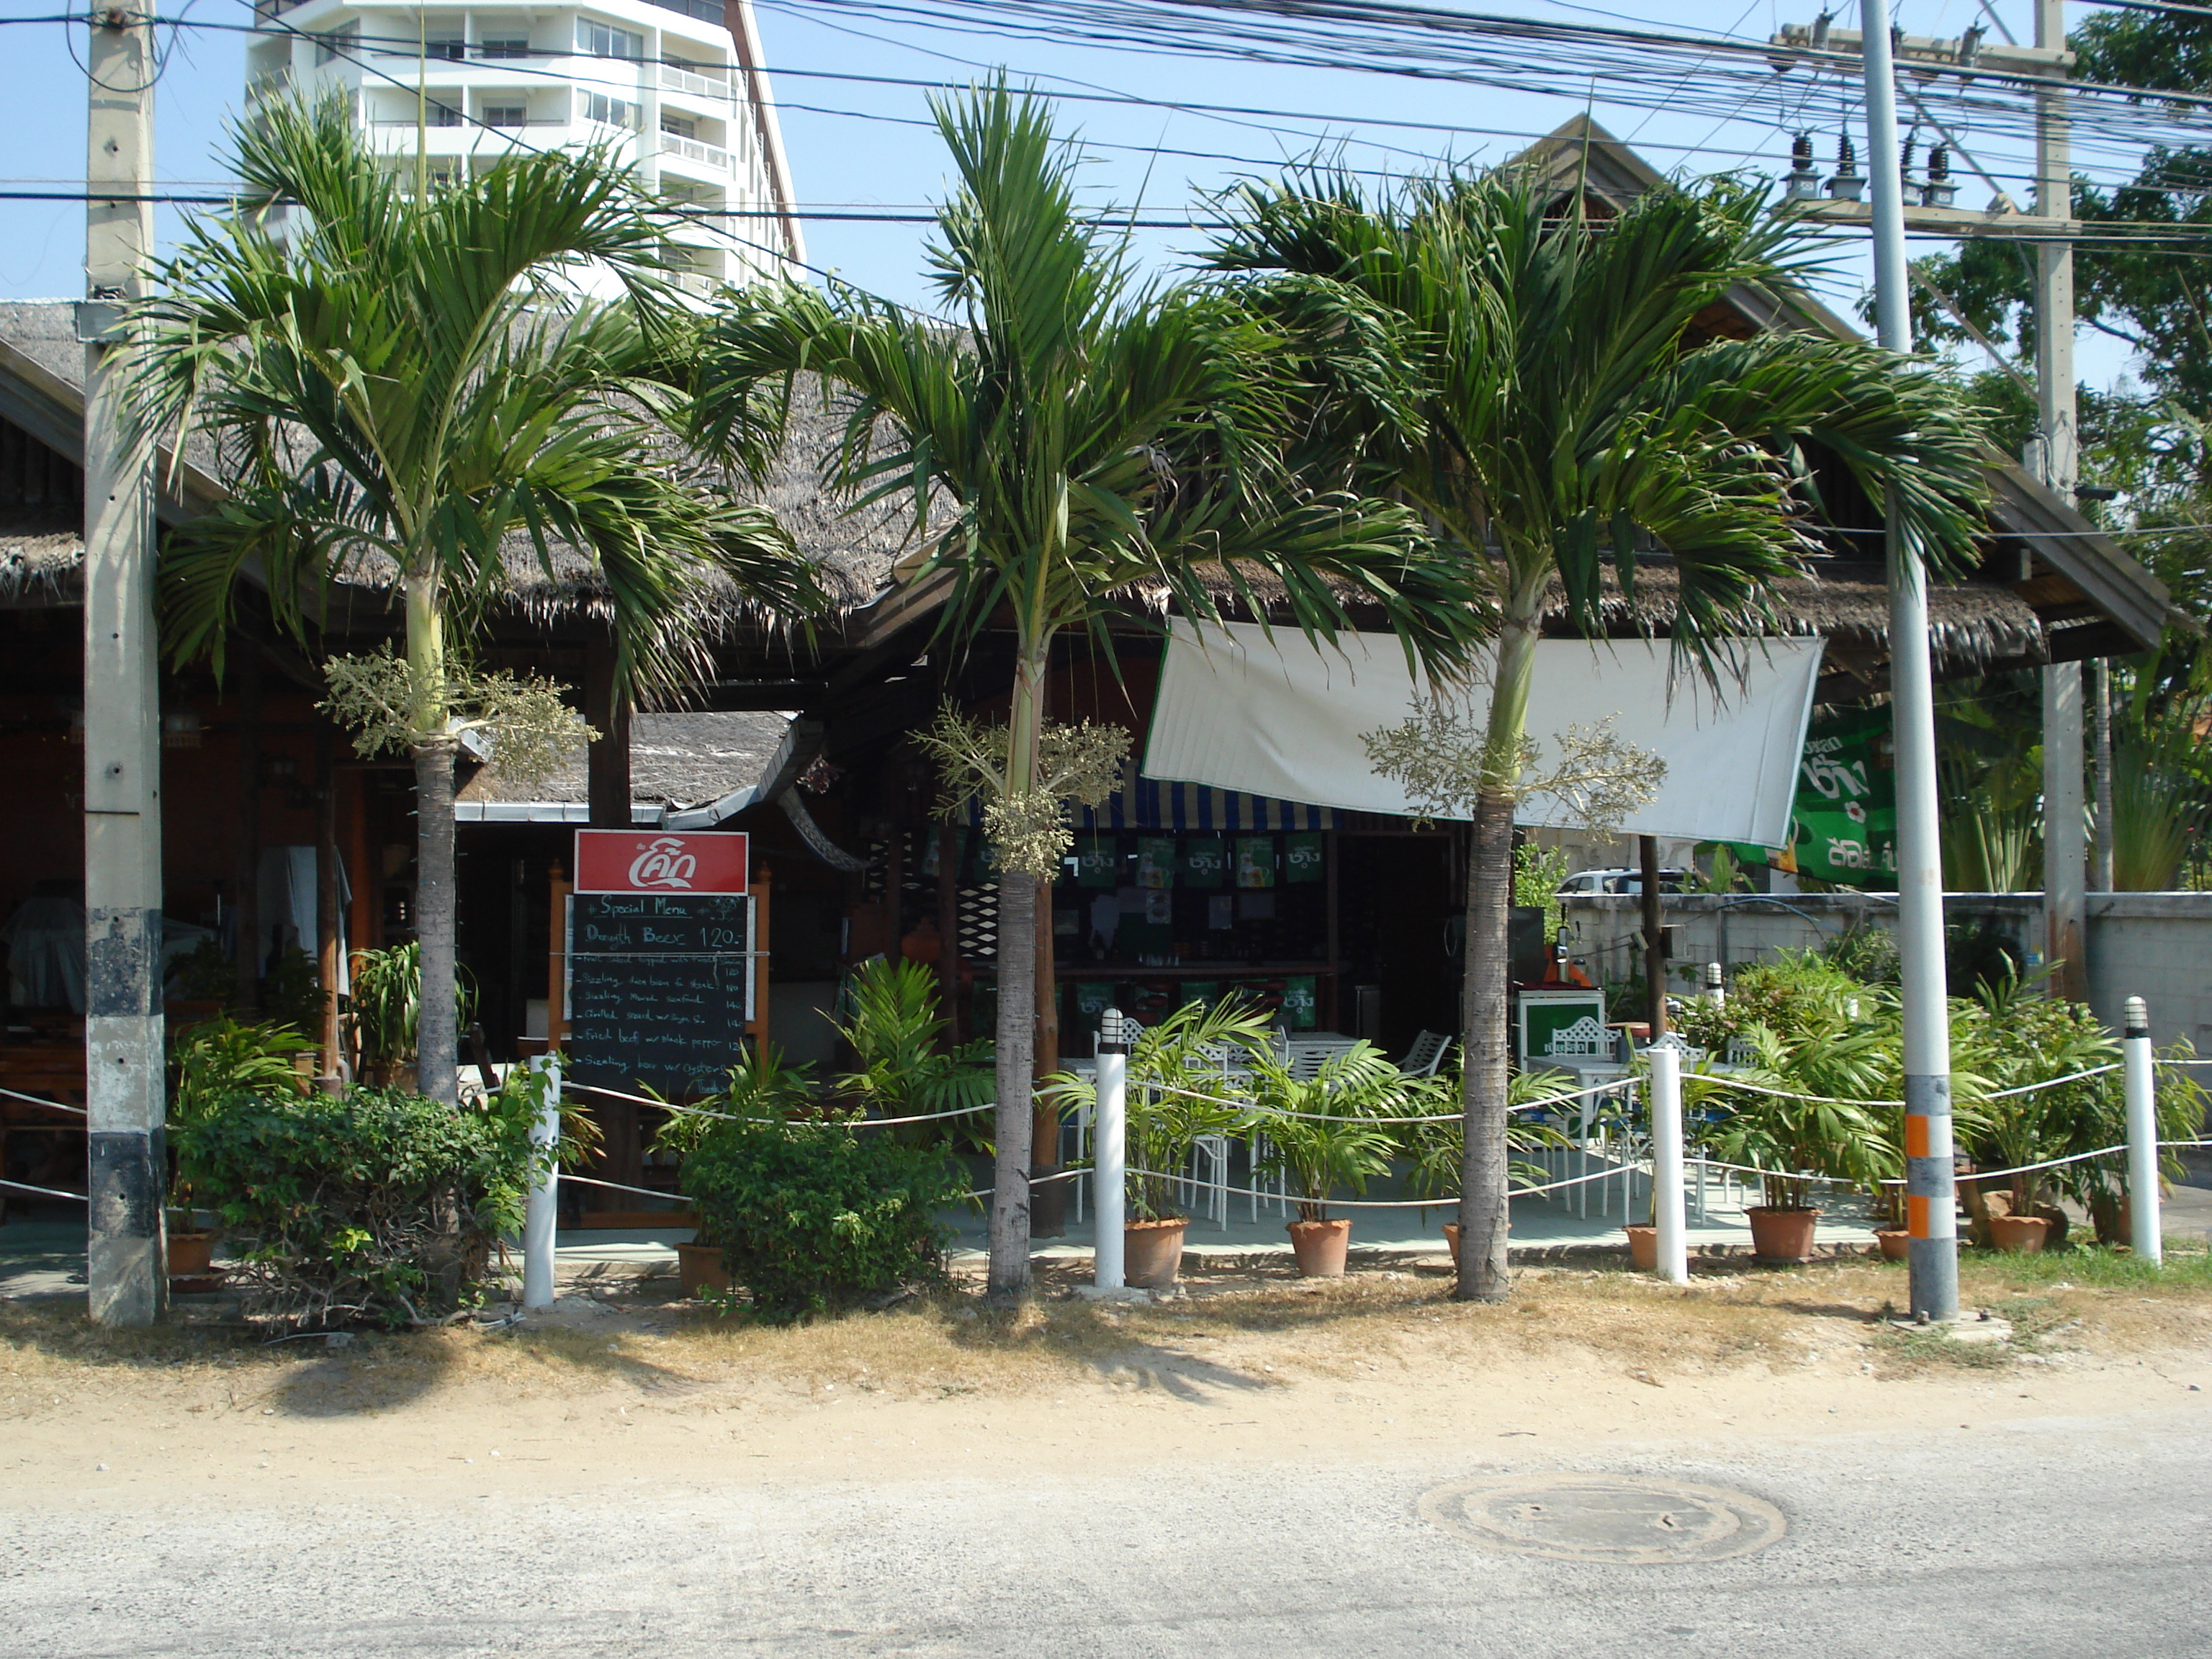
(1244, 1331)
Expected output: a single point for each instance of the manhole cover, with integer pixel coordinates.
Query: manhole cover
(1604, 1517)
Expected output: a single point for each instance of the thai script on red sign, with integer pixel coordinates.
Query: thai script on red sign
(661, 862)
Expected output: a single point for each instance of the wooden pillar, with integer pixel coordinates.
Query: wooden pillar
(1335, 945)
(764, 880)
(363, 931)
(948, 927)
(1655, 938)
(606, 763)
(246, 866)
(326, 897)
(556, 958)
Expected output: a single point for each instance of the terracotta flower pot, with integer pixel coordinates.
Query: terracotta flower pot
(1896, 1242)
(1151, 1253)
(1782, 1235)
(190, 1254)
(1643, 1249)
(1320, 1246)
(1451, 1239)
(2024, 1233)
(700, 1268)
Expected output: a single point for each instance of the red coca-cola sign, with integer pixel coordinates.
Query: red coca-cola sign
(661, 861)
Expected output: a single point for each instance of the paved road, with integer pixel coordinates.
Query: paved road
(2032, 1538)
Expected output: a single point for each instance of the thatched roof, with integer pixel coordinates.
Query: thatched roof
(674, 759)
(1844, 601)
(42, 389)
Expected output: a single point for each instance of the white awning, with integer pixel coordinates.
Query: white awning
(1279, 717)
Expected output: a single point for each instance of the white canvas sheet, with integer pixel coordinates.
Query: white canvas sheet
(1279, 717)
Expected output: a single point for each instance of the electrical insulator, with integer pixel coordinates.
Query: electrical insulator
(1802, 182)
(1939, 192)
(1848, 185)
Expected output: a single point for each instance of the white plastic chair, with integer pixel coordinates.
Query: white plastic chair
(1427, 1053)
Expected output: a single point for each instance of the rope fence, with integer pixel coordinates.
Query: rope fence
(732, 1117)
(44, 1192)
(56, 1105)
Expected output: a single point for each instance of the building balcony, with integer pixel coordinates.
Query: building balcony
(698, 154)
(696, 86)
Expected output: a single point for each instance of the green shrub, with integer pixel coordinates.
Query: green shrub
(219, 1058)
(375, 1206)
(816, 1216)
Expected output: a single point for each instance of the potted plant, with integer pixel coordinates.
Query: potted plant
(1177, 1094)
(901, 1067)
(1814, 1124)
(1326, 1131)
(761, 1088)
(1432, 1135)
(383, 1011)
(215, 1061)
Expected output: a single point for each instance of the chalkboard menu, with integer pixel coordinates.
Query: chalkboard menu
(660, 987)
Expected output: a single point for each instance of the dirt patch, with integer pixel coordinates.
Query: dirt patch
(624, 1381)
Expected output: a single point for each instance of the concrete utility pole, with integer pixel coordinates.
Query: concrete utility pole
(1930, 1196)
(124, 1268)
(2065, 850)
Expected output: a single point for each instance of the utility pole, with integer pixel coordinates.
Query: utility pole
(2065, 851)
(125, 1267)
(1930, 1197)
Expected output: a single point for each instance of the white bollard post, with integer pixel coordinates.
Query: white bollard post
(1109, 1148)
(543, 1207)
(2146, 1231)
(1666, 1165)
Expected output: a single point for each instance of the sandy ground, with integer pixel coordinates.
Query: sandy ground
(623, 1390)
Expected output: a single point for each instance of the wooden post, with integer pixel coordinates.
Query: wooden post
(556, 958)
(1335, 934)
(764, 879)
(363, 931)
(606, 758)
(246, 865)
(326, 897)
(1655, 937)
(948, 927)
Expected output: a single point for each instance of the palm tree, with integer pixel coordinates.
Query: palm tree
(1570, 405)
(1074, 435)
(412, 387)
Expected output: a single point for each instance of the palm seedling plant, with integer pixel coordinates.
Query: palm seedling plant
(1069, 437)
(404, 390)
(1569, 408)
(1325, 1132)
(902, 1067)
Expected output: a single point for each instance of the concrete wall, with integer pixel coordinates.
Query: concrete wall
(2155, 945)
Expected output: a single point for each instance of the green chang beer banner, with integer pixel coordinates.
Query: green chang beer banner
(1204, 992)
(1846, 827)
(1298, 1009)
(1098, 861)
(1156, 861)
(1304, 858)
(1255, 861)
(1092, 998)
(1205, 861)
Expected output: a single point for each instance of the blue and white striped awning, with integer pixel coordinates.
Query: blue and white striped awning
(1151, 805)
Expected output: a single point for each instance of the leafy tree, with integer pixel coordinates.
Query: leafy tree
(1569, 404)
(1071, 436)
(406, 385)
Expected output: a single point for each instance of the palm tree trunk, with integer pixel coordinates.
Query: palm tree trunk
(437, 1041)
(1009, 1276)
(1482, 1209)
(437, 1034)
(1010, 1183)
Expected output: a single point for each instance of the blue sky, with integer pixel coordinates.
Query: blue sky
(840, 157)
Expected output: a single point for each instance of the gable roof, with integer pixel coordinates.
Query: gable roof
(2091, 599)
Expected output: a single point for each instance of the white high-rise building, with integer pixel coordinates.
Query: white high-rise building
(676, 84)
